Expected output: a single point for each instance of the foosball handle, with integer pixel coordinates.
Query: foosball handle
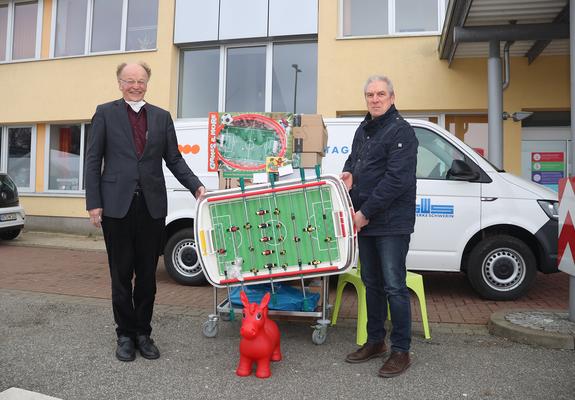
(302, 174)
(318, 171)
(242, 184)
(272, 177)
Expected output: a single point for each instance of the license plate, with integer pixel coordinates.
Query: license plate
(8, 217)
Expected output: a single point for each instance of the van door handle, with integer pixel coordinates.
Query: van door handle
(488, 198)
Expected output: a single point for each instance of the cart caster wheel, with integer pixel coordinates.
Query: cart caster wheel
(210, 329)
(318, 336)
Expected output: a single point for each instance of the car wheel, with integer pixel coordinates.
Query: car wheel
(501, 267)
(181, 259)
(9, 235)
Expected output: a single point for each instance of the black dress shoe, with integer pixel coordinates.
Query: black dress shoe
(147, 347)
(126, 350)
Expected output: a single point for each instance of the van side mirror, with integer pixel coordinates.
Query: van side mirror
(461, 171)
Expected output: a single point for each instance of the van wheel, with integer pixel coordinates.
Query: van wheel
(501, 267)
(181, 259)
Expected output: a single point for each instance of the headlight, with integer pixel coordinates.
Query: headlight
(551, 208)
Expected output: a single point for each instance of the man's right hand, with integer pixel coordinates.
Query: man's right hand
(347, 179)
(95, 217)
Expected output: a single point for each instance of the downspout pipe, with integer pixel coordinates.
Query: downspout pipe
(506, 66)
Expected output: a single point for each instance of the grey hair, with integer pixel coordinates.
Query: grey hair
(381, 78)
(142, 64)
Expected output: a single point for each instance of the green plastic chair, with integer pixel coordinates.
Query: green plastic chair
(414, 283)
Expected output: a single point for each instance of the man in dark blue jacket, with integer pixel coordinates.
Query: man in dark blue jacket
(380, 173)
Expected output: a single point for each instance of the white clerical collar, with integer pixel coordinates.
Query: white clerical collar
(136, 105)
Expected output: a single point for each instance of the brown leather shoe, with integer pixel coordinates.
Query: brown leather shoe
(397, 363)
(367, 352)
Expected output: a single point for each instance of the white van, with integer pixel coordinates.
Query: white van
(471, 217)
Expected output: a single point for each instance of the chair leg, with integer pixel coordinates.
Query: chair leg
(415, 283)
(423, 309)
(339, 293)
(361, 335)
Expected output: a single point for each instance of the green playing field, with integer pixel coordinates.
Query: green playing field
(274, 230)
(247, 146)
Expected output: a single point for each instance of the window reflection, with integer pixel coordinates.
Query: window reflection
(19, 153)
(64, 157)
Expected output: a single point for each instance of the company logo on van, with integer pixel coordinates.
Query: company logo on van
(426, 209)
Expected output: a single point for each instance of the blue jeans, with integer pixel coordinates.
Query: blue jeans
(383, 273)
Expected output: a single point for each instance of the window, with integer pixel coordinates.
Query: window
(96, 26)
(294, 86)
(17, 147)
(20, 26)
(259, 78)
(245, 79)
(472, 129)
(391, 17)
(434, 155)
(66, 155)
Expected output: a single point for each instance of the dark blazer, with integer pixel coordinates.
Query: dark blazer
(383, 162)
(111, 144)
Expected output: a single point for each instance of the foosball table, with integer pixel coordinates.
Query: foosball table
(282, 230)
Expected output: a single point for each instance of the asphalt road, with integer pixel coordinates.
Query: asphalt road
(63, 346)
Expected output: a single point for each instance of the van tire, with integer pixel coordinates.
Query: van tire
(10, 235)
(181, 259)
(501, 267)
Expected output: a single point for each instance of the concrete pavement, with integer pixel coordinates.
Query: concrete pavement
(62, 345)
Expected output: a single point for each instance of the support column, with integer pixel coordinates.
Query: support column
(495, 105)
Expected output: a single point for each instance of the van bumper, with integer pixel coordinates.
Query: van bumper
(547, 237)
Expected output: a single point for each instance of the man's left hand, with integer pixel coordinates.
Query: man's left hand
(359, 220)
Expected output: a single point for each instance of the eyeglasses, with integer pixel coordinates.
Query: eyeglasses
(133, 83)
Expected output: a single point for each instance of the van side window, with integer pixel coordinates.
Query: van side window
(434, 155)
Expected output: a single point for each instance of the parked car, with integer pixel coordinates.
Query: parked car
(12, 216)
(471, 217)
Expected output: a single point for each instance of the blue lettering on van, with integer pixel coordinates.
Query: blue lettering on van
(426, 209)
(336, 150)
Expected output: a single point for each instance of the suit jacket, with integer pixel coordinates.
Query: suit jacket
(111, 144)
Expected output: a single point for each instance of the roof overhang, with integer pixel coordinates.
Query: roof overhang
(534, 26)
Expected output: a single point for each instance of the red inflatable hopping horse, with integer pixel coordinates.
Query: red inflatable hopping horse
(260, 342)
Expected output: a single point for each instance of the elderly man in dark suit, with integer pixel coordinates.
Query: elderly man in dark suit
(127, 198)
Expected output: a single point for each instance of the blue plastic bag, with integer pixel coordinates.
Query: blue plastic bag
(287, 298)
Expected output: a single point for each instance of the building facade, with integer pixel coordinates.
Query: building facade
(58, 61)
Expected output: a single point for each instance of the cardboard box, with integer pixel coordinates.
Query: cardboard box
(311, 134)
(307, 160)
(230, 183)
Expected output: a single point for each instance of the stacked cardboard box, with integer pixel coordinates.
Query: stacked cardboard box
(310, 140)
(230, 183)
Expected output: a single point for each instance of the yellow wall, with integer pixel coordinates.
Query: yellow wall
(54, 206)
(69, 89)
(424, 83)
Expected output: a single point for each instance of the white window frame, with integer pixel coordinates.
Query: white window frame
(268, 78)
(80, 168)
(10, 30)
(391, 23)
(4, 154)
(88, 33)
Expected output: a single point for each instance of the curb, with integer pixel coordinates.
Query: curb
(498, 325)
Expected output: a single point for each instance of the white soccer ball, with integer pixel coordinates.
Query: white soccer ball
(226, 119)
